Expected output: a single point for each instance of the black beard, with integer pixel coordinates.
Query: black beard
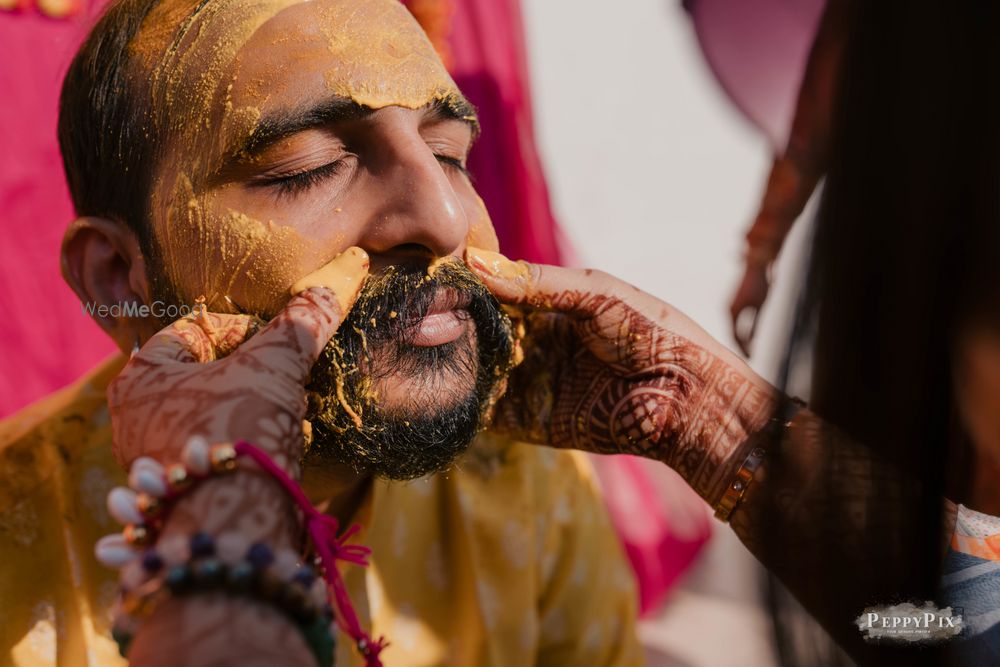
(459, 381)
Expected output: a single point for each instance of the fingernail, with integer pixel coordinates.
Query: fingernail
(343, 276)
(496, 265)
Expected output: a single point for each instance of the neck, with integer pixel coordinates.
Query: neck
(336, 489)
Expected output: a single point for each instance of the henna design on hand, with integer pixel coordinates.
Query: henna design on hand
(619, 382)
(190, 379)
(227, 378)
(609, 369)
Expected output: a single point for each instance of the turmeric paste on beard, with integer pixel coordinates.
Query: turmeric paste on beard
(460, 381)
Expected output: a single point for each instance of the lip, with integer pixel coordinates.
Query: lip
(443, 321)
(438, 329)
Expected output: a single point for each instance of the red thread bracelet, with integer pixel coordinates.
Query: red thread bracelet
(323, 531)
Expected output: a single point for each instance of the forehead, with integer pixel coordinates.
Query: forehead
(370, 51)
(241, 58)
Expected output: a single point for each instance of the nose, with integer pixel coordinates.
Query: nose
(419, 216)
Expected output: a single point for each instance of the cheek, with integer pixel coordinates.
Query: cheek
(257, 261)
(481, 232)
(215, 250)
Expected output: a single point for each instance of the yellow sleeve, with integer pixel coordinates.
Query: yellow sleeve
(55, 471)
(588, 602)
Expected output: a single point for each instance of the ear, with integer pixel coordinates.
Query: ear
(103, 264)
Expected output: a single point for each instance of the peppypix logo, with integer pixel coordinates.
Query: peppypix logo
(907, 623)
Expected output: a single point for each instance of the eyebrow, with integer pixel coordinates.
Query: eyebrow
(280, 125)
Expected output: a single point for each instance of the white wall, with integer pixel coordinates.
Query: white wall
(654, 175)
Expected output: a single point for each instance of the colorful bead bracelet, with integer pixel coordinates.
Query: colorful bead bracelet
(230, 565)
(143, 509)
(153, 489)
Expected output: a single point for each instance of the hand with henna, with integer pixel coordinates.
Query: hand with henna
(612, 370)
(218, 377)
(210, 374)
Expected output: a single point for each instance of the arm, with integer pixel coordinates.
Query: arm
(215, 629)
(204, 375)
(796, 172)
(610, 369)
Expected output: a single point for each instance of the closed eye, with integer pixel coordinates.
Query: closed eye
(289, 185)
(454, 163)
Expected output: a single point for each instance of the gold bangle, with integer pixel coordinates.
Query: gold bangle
(741, 481)
(738, 487)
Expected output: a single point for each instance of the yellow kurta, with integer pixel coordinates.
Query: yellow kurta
(508, 560)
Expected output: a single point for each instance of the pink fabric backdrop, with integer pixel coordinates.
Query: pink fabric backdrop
(489, 64)
(45, 339)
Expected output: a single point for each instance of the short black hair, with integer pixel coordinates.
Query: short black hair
(107, 141)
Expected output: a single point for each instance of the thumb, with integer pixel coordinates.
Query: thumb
(294, 339)
(540, 286)
(613, 318)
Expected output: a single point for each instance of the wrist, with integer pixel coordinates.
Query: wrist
(744, 466)
(247, 501)
(760, 255)
(170, 502)
(727, 408)
(767, 233)
(225, 520)
(216, 629)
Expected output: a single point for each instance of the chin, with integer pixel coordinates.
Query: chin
(398, 442)
(407, 424)
(443, 380)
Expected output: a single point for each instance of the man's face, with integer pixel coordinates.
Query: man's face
(294, 132)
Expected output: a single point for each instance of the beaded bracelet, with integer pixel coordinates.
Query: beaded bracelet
(178, 566)
(154, 489)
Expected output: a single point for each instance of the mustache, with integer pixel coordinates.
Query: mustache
(374, 341)
(391, 306)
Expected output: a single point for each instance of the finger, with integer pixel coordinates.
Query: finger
(607, 314)
(734, 319)
(293, 340)
(753, 325)
(199, 337)
(743, 329)
(541, 286)
(744, 346)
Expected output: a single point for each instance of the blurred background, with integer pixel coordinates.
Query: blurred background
(633, 137)
(655, 174)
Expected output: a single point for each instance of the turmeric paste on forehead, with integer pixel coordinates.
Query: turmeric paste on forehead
(377, 56)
